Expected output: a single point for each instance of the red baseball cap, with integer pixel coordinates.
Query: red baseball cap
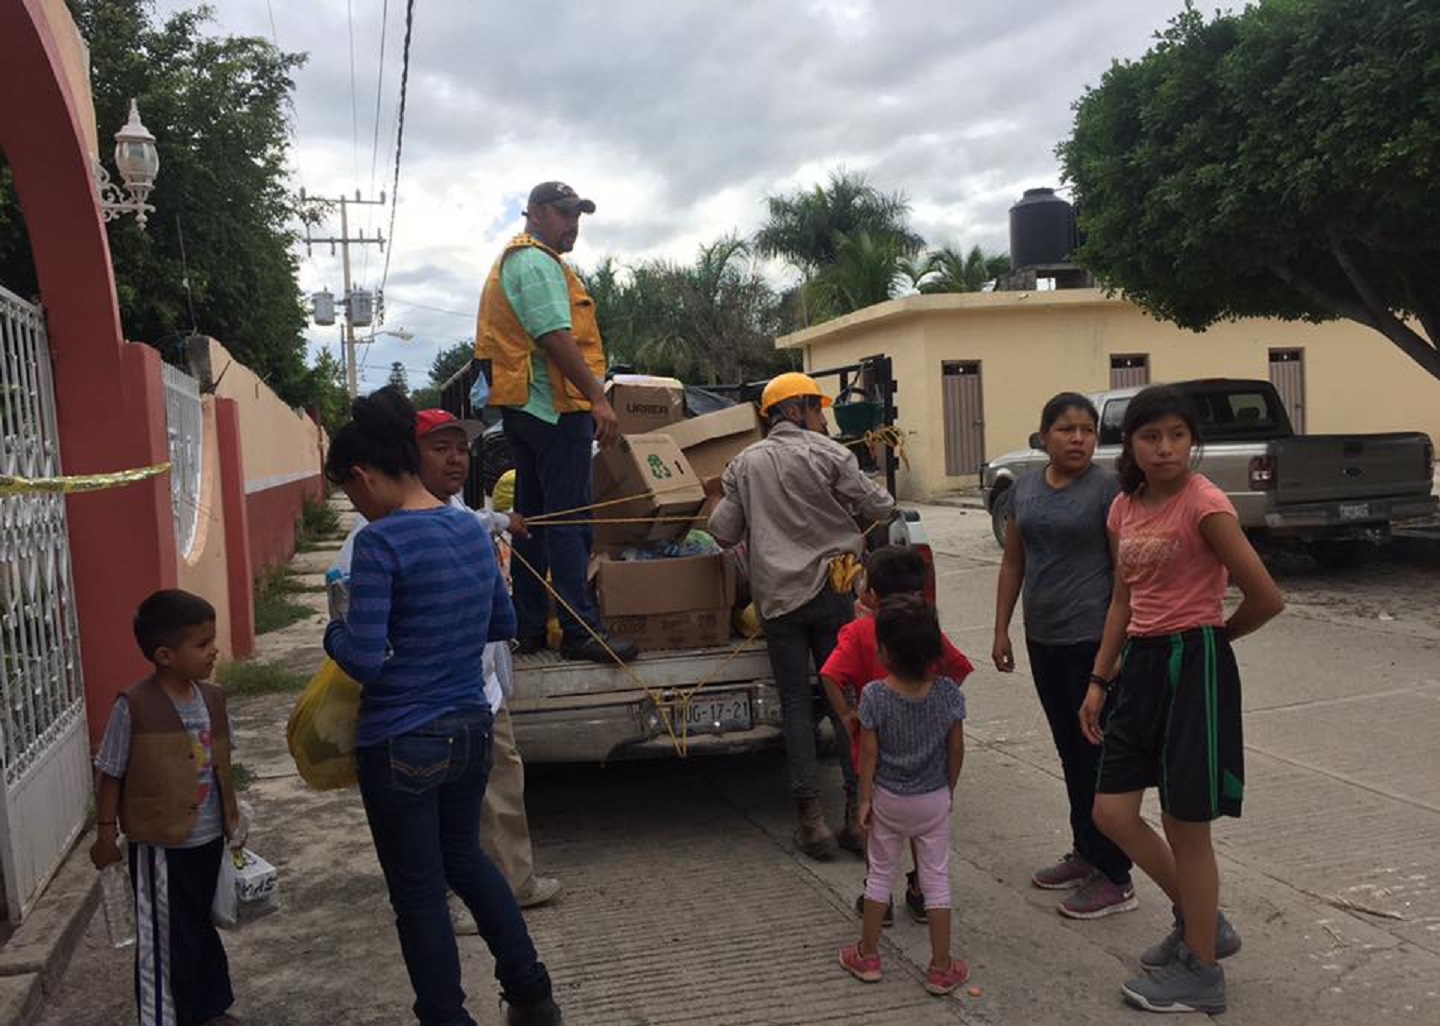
(427, 421)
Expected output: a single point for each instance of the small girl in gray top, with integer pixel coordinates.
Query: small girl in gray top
(911, 746)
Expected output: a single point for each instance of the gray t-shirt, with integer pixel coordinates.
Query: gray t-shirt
(1068, 576)
(912, 733)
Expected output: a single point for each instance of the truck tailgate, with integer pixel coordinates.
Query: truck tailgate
(1342, 468)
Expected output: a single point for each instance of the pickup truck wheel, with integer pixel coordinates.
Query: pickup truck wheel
(1338, 554)
(999, 510)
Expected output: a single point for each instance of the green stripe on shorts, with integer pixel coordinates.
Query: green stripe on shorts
(1212, 731)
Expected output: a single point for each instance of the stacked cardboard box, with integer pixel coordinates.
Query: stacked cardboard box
(666, 603)
(644, 403)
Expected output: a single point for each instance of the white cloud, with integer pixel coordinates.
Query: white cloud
(677, 117)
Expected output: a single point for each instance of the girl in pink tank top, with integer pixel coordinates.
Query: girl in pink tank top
(1171, 714)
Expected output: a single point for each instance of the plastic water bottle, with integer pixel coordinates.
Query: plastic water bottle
(337, 592)
(118, 901)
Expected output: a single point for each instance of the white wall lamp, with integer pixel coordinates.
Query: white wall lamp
(138, 162)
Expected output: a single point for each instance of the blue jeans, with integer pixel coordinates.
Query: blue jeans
(422, 794)
(552, 473)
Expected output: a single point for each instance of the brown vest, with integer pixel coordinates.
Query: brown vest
(501, 339)
(157, 796)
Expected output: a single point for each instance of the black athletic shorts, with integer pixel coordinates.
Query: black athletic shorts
(1173, 722)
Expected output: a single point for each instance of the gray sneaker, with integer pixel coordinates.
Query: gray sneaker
(1227, 942)
(1182, 986)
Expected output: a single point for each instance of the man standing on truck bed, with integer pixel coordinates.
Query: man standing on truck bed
(792, 497)
(537, 328)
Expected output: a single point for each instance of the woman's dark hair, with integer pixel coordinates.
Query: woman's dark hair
(1151, 405)
(1066, 401)
(380, 434)
(907, 629)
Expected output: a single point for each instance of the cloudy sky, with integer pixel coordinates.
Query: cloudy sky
(678, 117)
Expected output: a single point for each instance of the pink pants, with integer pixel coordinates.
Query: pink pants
(897, 818)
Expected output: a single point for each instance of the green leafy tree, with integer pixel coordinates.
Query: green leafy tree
(713, 320)
(806, 228)
(867, 269)
(449, 362)
(398, 377)
(1279, 162)
(327, 386)
(217, 107)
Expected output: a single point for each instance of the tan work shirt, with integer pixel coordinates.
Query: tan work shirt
(793, 496)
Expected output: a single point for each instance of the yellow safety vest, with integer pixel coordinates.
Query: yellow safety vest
(501, 339)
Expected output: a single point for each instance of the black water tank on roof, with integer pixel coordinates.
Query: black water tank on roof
(1042, 229)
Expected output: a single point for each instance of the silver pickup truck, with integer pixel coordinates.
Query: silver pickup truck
(1336, 494)
(585, 712)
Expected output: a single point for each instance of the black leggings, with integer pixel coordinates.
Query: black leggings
(1062, 676)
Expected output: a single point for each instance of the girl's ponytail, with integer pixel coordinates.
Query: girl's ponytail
(379, 434)
(907, 628)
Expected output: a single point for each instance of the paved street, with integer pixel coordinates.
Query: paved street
(686, 904)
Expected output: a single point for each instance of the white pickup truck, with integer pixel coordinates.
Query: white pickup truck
(1336, 494)
(585, 712)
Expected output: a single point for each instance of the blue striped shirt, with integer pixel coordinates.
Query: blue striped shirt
(425, 598)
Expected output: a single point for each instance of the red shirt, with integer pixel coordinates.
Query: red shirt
(856, 662)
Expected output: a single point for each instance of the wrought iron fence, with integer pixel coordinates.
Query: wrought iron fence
(185, 424)
(40, 682)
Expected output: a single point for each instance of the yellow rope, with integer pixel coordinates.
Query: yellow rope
(891, 436)
(541, 518)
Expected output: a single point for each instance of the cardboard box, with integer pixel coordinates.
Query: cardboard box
(712, 441)
(668, 603)
(644, 404)
(651, 468)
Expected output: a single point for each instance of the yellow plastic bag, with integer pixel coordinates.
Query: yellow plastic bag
(321, 731)
(746, 622)
(502, 497)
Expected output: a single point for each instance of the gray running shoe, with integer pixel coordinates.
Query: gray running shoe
(1227, 942)
(1182, 986)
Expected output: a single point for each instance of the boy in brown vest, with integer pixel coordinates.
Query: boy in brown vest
(164, 775)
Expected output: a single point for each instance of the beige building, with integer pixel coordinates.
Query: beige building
(973, 370)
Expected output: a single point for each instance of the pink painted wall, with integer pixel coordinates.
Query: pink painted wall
(111, 408)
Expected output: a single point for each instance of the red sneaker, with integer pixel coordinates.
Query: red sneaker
(945, 981)
(865, 968)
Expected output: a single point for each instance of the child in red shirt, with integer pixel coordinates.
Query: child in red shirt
(893, 570)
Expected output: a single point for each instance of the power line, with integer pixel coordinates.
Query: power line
(354, 93)
(274, 36)
(399, 135)
(433, 309)
(379, 87)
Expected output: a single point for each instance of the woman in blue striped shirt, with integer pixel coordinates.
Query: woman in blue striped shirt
(425, 598)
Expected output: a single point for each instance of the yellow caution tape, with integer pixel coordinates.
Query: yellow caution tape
(11, 484)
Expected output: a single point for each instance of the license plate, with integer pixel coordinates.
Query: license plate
(1354, 510)
(714, 714)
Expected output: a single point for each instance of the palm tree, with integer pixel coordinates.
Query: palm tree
(968, 272)
(805, 227)
(866, 270)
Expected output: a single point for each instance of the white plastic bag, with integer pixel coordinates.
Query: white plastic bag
(225, 909)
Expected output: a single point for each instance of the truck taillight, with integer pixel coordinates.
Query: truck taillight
(1262, 473)
(929, 558)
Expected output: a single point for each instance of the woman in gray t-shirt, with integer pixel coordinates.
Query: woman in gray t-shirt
(1057, 550)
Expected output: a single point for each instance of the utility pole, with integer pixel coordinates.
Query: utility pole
(344, 241)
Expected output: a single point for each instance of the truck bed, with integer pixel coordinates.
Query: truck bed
(568, 711)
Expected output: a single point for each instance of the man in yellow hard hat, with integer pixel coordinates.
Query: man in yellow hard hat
(792, 498)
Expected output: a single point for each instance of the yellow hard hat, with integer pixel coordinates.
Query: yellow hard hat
(790, 385)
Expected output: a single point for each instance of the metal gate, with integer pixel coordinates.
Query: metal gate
(1129, 369)
(44, 744)
(964, 412)
(185, 424)
(1287, 374)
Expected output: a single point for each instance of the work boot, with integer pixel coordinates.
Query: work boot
(851, 837)
(813, 837)
(592, 651)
